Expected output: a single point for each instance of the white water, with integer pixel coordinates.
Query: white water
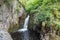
(25, 26)
(24, 30)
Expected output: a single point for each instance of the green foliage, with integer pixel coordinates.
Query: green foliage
(43, 14)
(23, 1)
(57, 25)
(31, 4)
(43, 11)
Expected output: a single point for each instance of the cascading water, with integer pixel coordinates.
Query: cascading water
(24, 30)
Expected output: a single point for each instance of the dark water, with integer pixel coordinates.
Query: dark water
(27, 35)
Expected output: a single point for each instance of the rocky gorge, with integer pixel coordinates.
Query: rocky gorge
(29, 20)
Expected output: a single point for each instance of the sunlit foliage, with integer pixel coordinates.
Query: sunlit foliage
(44, 10)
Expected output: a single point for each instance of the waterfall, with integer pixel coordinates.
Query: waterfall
(24, 30)
(25, 26)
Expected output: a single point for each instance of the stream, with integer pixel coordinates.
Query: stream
(25, 33)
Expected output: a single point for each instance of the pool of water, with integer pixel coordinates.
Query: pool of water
(27, 35)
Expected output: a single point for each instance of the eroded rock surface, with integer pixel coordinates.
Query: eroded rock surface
(4, 35)
(9, 18)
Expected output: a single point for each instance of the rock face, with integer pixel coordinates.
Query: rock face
(9, 18)
(4, 25)
(4, 35)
